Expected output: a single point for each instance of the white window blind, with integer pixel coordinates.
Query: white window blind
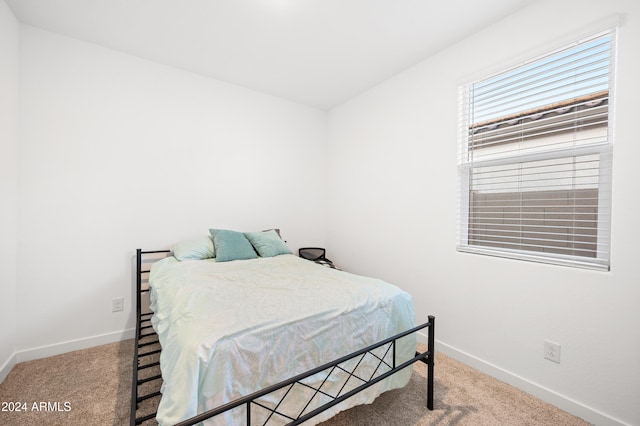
(535, 154)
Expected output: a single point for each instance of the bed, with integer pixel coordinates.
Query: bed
(272, 339)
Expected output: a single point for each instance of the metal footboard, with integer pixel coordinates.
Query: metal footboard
(146, 345)
(253, 400)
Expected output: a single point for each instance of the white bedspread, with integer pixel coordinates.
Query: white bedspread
(228, 329)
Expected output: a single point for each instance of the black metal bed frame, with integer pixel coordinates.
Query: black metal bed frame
(144, 331)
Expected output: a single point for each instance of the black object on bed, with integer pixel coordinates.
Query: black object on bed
(146, 387)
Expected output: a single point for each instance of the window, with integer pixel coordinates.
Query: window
(535, 153)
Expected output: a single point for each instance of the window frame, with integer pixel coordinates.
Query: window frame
(604, 151)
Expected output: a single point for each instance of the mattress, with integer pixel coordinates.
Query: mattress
(228, 329)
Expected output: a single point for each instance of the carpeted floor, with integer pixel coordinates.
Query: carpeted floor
(93, 387)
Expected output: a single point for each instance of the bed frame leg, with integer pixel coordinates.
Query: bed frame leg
(430, 361)
(134, 380)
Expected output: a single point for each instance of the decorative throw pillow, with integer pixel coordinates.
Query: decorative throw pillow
(231, 245)
(267, 243)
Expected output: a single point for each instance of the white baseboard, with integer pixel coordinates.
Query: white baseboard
(567, 404)
(7, 366)
(73, 345)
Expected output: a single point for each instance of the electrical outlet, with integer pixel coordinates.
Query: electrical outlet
(552, 351)
(117, 304)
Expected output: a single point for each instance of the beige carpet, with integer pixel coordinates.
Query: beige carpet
(96, 385)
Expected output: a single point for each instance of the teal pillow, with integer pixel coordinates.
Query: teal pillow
(231, 245)
(267, 243)
(196, 249)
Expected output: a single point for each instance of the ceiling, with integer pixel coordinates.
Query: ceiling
(315, 52)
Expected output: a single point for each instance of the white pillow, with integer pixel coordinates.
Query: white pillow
(196, 249)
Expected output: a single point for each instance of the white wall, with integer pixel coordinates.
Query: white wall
(9, 44)
(118, 153)
(392, 214)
